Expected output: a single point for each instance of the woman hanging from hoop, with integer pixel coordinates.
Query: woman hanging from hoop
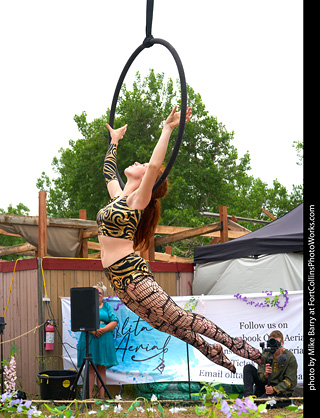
(127, 223)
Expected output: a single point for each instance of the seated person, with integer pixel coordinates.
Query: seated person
(276, 378)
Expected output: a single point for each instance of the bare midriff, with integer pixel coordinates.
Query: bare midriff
(113, 249)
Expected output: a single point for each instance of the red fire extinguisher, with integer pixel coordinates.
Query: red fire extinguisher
(49, 342)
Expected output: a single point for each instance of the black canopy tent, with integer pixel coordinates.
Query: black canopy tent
(283, 235)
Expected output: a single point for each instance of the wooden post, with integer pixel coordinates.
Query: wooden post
(151, 250)
(42, 227)
(269, 214)
(168, 249)
(149, 253)
(224, 219)
(215, 240)
(84, 243)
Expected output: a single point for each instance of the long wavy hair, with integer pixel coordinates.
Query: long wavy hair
(151, 216)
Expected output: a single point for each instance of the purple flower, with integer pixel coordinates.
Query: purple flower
(267, 302)
(249, 404)
(286, 297)
(216, 396)
(5, 396)
(225, 408)
(214, 399)
(32, 411)
(27, 404)
(267, 292)
(239, 405)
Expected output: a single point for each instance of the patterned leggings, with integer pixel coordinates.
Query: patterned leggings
(148, 300)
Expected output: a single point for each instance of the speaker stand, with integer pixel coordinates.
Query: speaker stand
(87, 360)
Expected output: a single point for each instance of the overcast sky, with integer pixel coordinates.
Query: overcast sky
(60, 58)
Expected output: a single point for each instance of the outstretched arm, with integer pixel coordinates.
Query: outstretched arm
(143, 195)
(110, 162)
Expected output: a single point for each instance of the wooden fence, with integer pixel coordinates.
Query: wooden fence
(226, 228)
(22, 290)
(24, 284)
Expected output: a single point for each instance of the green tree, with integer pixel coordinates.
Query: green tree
(207, 173)
(298, 145)
(8, 241)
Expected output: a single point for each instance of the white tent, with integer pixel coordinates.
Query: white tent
(267, 259)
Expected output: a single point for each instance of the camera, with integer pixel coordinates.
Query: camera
(272, 347)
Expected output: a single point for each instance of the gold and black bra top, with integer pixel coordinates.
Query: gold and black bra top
(118, 220)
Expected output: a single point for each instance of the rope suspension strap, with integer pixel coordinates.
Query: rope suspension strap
(148, 42)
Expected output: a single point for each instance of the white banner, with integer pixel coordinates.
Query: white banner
(146, 355)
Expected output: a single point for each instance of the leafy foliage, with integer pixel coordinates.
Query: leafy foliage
(207, 173)
(7, 240)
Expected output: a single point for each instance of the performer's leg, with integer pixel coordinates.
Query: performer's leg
(149, 295)
(213, 352)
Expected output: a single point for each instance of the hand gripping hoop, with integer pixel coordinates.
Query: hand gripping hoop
(148, 42)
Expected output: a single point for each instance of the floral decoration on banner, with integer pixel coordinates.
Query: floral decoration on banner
(279, 301)
(191, 305)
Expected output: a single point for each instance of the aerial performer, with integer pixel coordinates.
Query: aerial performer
(127, 223)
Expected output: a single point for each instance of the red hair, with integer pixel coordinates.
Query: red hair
(150, 217)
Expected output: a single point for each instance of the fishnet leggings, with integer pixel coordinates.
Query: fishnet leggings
(148, 300)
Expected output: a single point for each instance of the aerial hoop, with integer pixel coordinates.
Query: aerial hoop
(148, 42)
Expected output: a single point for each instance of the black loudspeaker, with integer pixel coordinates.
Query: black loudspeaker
(84, 308)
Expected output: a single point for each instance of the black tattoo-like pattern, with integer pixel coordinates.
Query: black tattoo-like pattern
(149, 301)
